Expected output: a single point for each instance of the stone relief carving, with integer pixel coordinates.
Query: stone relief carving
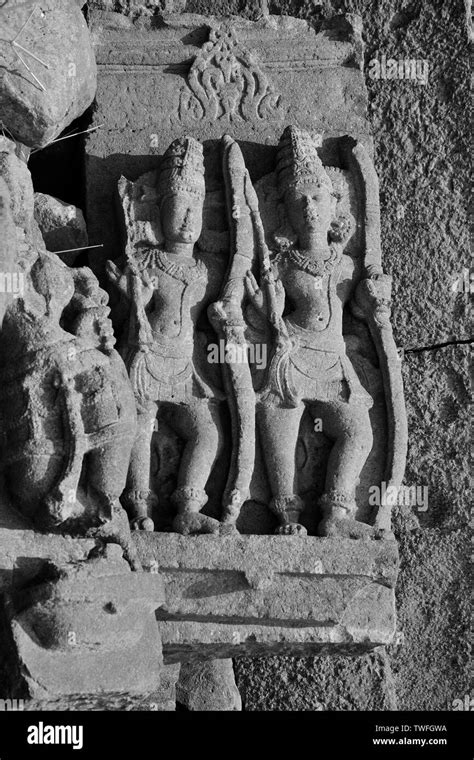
(299, 279)
(281, 280)
(226, 82)
(68, 413)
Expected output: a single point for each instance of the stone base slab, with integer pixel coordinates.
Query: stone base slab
(227, 596)
(262, 595)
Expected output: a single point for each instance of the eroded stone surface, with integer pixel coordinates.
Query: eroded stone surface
(317, 683)
(62, 226)
(48, 69)
(84, 628)
(208, 687)
(65, 396)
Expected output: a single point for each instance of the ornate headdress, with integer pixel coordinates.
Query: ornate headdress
(298, 162)
(182, 169)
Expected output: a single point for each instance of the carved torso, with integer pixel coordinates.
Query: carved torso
(317, 289)
(179, 295)
(314, 365)
(175, 366)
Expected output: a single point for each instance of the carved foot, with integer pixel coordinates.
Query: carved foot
(194, 522)
(139, 504)
(142, 523)
(228, 529)
(56, 511)
(117, 531)
(288, 509)
(347, 527)
(291, 529)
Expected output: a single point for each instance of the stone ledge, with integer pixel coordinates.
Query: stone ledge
(257, 595)
(246, 595)
(23, 553)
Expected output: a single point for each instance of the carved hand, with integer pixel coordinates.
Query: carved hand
(118, 277)
(122, 281)
(373, 293)
(258, 297)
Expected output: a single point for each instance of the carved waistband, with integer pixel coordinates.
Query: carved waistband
(317, 341)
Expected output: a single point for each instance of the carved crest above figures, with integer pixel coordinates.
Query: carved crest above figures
(227, 83)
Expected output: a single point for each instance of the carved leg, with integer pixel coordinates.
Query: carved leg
(106, 471)
(138, 498)
(278, 430)
(200, 427)
(29, 481)
(349, 426)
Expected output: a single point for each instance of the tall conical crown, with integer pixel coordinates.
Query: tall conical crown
(298, 162)
(182, 168)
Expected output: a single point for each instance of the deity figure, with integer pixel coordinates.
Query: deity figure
(169, 288)
(66, 405)
(313, 280)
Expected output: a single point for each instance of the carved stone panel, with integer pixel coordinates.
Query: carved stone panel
(204, 76)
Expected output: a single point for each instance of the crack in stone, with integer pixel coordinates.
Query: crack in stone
(418, 349)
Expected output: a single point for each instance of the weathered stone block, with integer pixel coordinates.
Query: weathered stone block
(208, 686)
(62, 225)
(48, 69)
(85, 628)
(24, 553)
(255, 595)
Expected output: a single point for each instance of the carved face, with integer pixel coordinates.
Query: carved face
(181, 218)
(310, 208)
(52, 280)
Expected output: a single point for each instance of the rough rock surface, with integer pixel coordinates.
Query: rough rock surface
(19, 230)
(431, 665)
(55, 81)
(62, 225)
(208, 686)
(316, 683)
